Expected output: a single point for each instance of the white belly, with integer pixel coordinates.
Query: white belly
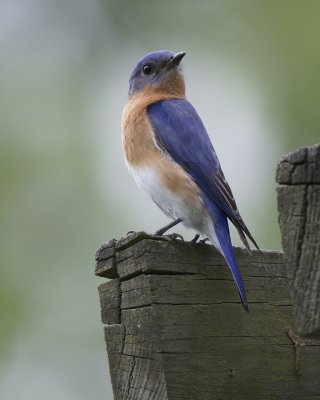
(148, 180)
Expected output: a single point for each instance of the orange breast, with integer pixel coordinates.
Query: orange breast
(141, 151)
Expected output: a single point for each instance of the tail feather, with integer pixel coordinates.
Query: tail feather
(233, 266)
(243, 231)
(244, 240)
(219, 235)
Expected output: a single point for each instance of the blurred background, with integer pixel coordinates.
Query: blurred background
(252, 73)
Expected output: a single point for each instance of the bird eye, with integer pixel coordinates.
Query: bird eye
(147, 69)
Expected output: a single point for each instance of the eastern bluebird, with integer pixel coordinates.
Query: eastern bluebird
(171, 158)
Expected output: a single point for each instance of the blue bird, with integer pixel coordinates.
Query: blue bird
(171, 158)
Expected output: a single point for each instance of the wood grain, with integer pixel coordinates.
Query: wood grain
(299, 218)
(183, 334)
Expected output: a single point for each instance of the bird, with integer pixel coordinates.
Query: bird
(171, 158)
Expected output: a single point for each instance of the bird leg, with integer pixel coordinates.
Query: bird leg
(195, 239)
(161, 231)
(171, 236)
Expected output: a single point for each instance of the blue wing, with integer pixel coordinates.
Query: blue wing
(180, 132)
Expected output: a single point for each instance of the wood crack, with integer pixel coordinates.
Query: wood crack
(301, 234)
(131, 376)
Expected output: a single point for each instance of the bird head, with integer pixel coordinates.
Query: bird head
(160, 71)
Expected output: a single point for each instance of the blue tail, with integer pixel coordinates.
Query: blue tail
(221, 227)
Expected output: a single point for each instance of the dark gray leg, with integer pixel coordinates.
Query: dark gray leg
(161, 231)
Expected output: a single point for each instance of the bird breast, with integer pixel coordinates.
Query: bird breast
(153, 170)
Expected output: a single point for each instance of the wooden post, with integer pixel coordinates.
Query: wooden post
(299, 217)
(174, 325)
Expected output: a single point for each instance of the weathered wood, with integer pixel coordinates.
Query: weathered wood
(110, 298)
(182, 333)
(300, 167)
(105, 260)
(299, 218)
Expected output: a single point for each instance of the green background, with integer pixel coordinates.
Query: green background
(252, 72)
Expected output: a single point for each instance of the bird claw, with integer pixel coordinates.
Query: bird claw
(172, 237)
(195, 239)
(175, 236)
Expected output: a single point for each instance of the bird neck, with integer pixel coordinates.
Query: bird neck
(174, 86)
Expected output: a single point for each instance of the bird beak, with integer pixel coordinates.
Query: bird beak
(176, 59)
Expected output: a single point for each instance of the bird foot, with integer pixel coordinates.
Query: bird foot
(172, 237)
(195, 239)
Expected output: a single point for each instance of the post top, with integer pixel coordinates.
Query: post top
(301, 166)
(141, 253)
